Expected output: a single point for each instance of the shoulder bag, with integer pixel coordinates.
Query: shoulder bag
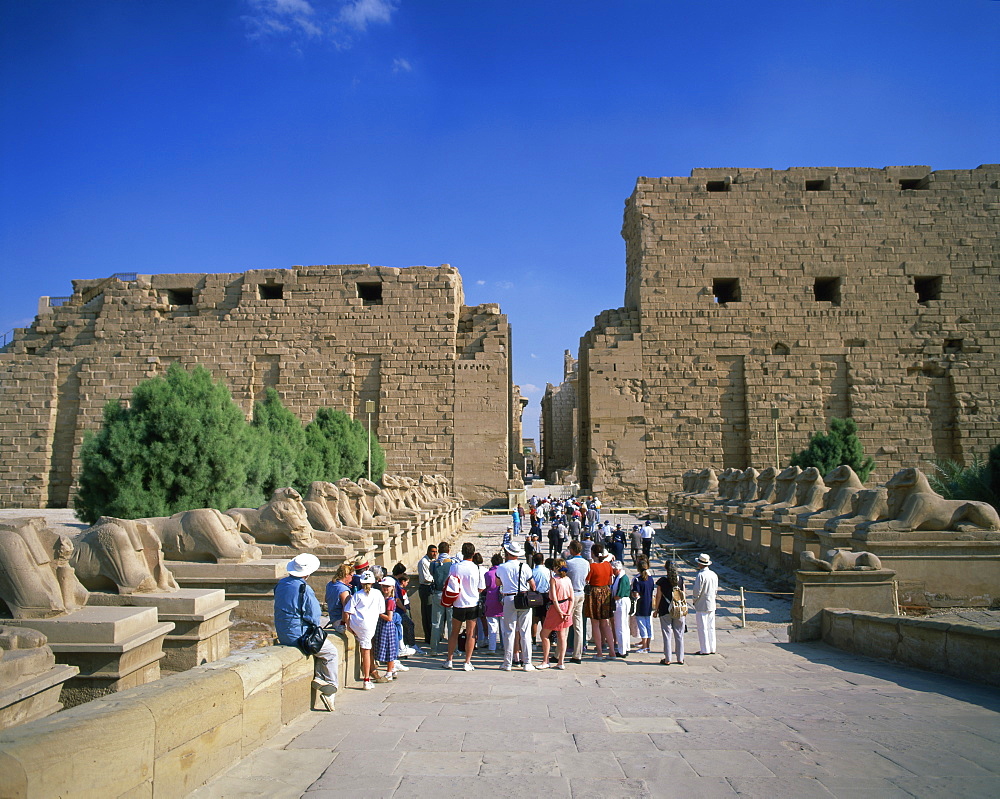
(527, 599)
(678, 604)
(313, 636)
(452, 591)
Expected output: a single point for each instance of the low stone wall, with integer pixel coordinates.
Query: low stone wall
(166, 738)
(966, 650)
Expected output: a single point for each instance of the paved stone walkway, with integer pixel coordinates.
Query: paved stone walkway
(763, 718)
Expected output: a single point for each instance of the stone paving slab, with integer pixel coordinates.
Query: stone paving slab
(763, 718)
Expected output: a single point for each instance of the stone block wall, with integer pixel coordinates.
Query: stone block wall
(558, 422)
(809, 293)
(163, 739)
(333, 336)
(965, 650)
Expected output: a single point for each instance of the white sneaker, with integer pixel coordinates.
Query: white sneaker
(368, 685)
(447, 665)
(505, 668)
(401, 667)
(469, 667)
(542, 666)
(529, 667)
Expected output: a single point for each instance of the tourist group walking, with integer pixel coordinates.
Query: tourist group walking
(537, 611)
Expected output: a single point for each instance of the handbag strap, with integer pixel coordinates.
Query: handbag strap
(302, 600)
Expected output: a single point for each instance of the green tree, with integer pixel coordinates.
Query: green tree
(977, 481)
(341, 445)
(839, 447)
(284, 457)
(181, 443)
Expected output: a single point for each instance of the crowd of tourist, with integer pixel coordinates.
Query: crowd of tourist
(586, 593)
(521, 603)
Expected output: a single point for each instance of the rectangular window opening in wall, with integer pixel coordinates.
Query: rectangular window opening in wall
(270, 291)
(370, 293)
(818, 185)
(717, 185)
(927, 288)
(953, 345)
(915, 184)
(180, 296)
(726, 289)
(827, 289)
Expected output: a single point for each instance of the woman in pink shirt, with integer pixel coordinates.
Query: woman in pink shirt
(559, 615)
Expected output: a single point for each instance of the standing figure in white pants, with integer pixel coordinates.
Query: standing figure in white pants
(704, 590)
(515, 577)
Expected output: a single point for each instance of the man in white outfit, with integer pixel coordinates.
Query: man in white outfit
(706, 586)
(621, 594)
(466, 608)
(514, 577)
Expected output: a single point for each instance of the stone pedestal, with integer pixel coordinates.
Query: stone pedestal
(113, 648)
(515, 497)
(201, 618)
(805, 539)
(852, 590)
(251, 583)
(30, 679)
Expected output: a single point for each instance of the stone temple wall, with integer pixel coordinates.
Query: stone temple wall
(559, 422)
(334, 336)
(803, 294)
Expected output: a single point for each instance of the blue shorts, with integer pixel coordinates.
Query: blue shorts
(645, 626)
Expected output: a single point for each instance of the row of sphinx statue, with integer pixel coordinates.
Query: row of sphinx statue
(43, 573)
(838, 501)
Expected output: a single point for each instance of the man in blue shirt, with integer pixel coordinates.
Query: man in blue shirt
(294, 603)
(441, 616)
(577, 569)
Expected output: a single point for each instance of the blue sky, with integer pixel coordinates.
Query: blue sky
(500, 137)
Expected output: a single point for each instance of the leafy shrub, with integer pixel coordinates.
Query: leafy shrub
(341, 447)
(839, 447)
(284, 457)
(181, 443)
(976, 481)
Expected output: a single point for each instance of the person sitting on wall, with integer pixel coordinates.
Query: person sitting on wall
(294, 604)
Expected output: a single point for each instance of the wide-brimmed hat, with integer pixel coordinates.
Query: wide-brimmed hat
(513, 548)
(360, 566)
(367, 578)
(703, 560)
(302, 565)
(389, 581)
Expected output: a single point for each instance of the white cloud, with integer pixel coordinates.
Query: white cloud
(533, 355)
(530, 389)
(337, 21)
(480, 282)
(296, 18)
(401, 65)
(504, 284)
(358, 13)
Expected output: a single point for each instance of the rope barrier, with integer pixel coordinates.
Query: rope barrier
(663, 547)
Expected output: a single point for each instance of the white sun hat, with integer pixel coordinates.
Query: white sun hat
(302, 565)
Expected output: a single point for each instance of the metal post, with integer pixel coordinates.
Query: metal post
(743, 606)
(777, 457)
(370, 408)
